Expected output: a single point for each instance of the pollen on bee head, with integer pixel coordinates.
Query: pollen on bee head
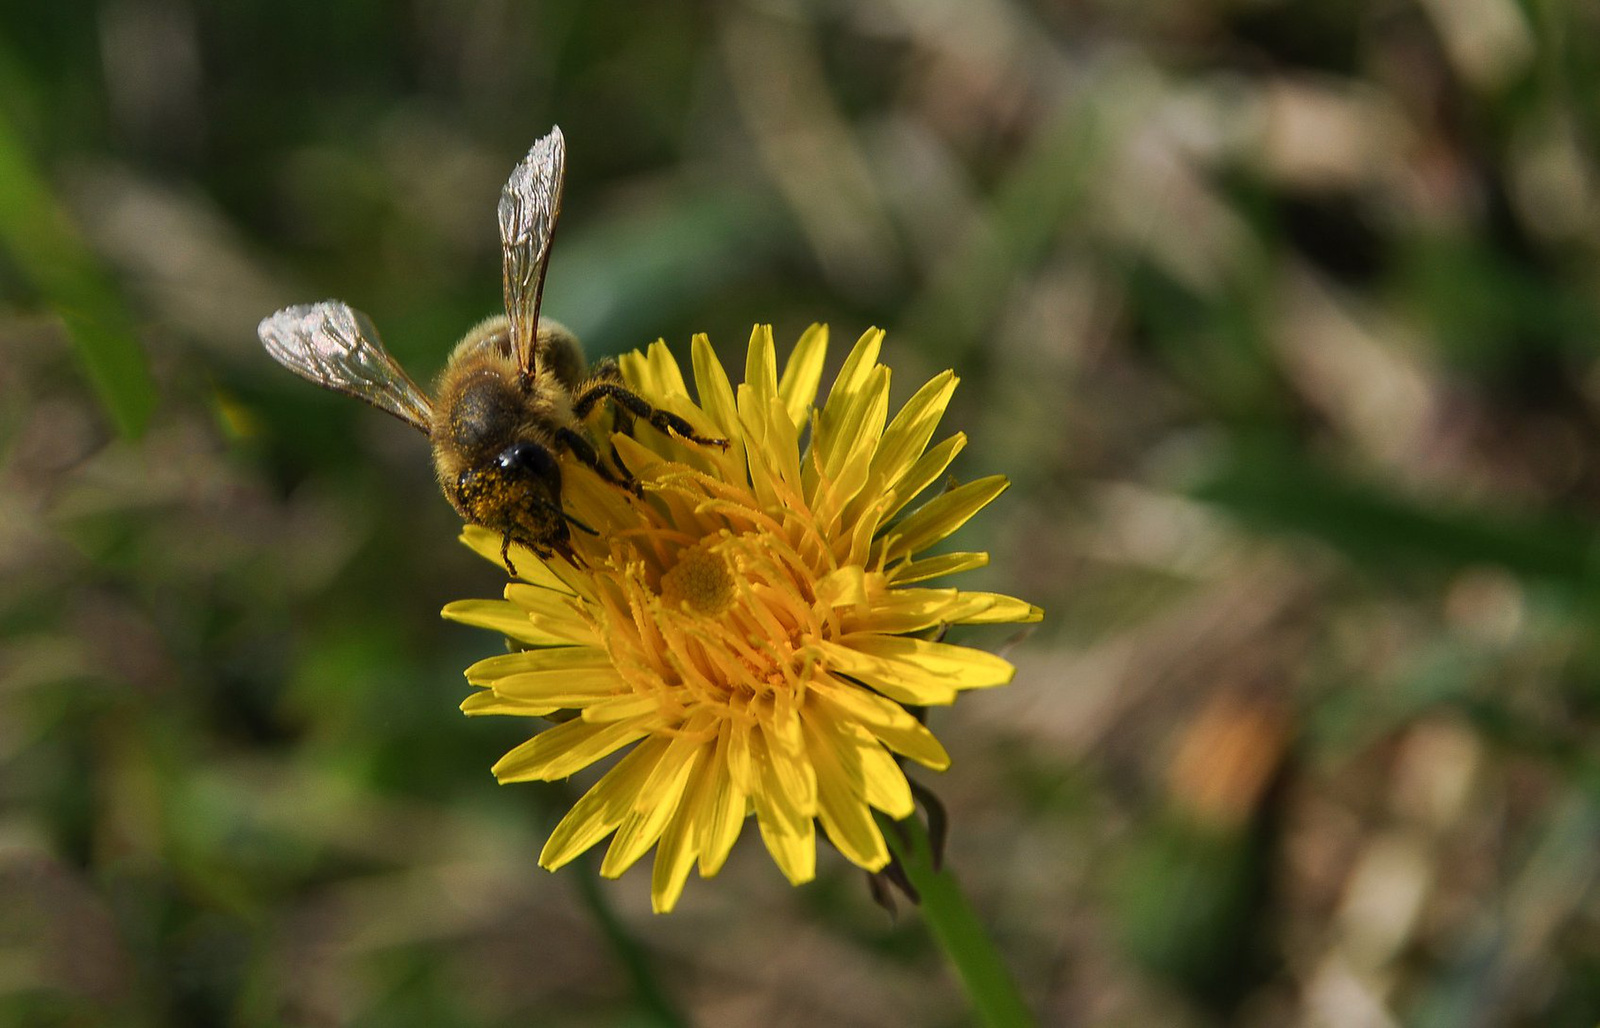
(702, 580)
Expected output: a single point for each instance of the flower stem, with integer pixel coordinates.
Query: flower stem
(955, 925)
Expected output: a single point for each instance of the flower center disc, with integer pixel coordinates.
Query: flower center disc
(701, 579)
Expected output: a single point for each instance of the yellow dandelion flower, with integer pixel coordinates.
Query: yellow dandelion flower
(751, 624)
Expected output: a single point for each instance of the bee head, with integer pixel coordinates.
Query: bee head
(517, 492)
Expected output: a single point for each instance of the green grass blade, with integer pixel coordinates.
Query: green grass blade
(46, 248)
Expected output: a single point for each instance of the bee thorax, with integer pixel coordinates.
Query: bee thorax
(484, 417)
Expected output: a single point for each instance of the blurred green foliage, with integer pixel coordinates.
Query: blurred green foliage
(46, 247)
(1281, 317)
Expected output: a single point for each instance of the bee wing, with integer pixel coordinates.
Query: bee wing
(529, 206)
(336, 347)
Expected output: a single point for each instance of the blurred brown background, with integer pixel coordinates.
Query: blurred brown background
(1281, 317)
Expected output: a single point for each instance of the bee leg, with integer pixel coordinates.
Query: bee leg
(505, 554)
(540, 551)
(663, 421)
(559, 543)
(607, 370)
(581, 448)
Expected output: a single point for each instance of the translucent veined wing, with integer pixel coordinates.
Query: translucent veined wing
(530, 203)
(336, 347)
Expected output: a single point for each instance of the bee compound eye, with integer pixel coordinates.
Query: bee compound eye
(527, 457)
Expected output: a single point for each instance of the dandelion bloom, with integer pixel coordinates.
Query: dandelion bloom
(753, 625)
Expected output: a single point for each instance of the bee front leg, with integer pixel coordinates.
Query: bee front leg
(663, 421)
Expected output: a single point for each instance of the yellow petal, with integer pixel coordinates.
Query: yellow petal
(690, 744)
(959, 667)
(487, 701)
(1002, 610)
(769, 792)
(903, 611)
(549, 658)
(638, 374)
(793, 850)
(893, 725)
(507, 619)
(721, 818)
(651, 467)
(667, 391)
(761, 367)
(560, 750)
(844, 587)
(790, 841)
(927, 470)
(530, 568)
(639, 460)
(907, 436)
(674, 860)
(764, 472)
(853, 375)
(790, 770)
(567, 688)
(680, 843)
(838, 499)
(843, 401)
(717, 400)
(911, 571)
(843, 809)
(664, 369)
(886, 785)
(798, 387)
(859, 424)
(895, 679)
(907, 611)
(941, 516)
(784, 445)
(866, 765)
(741, 763)
(653, 807)
(555, 613)
(786, 779)
(598, 812)
(621, 708)
(598, 504)
(855, 543)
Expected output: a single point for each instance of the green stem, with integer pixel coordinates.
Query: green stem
(955, 925)
(633, 956)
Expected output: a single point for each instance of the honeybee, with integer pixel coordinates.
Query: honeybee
(513, 396)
